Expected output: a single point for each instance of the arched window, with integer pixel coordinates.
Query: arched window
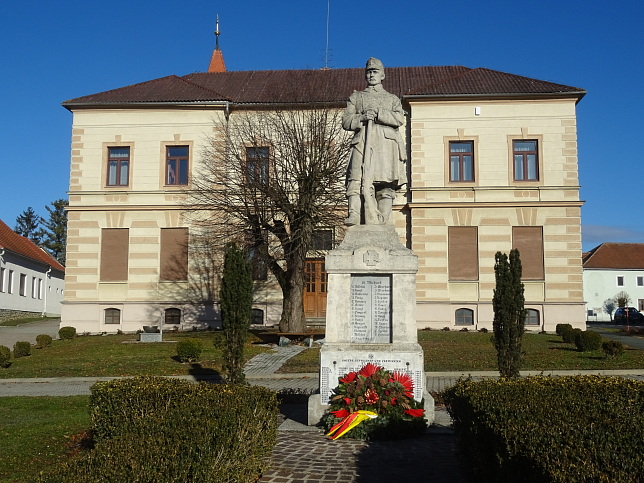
(464, 317)
(112, 316)
(532, 317)
(172, 316)
(257, 317)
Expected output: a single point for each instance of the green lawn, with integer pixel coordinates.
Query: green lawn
(37, 432)
(24, 320)
(473, 351)
(120, 355)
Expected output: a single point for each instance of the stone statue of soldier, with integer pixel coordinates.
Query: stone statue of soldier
(376, 167)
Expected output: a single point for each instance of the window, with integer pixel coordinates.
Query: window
(464, 317)
(526, 160)
(23, 285)
(640, 281)
(463, 253)
(10, 282)
(322, 240)
(257, 166)
(461, 161)
(529, 241)
(176, 165)
(114, 254)
(34, 288)
(172, 316)
(118, 166)
(40, 289)
(257, 317)
(2, 284)
(174, 254)
(112, 316)
(532, 317)
(620, 281)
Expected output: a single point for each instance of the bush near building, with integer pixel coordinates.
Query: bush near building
(556, 429)
(158, 429)
(22, 348)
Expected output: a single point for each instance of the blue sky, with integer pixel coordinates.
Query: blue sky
(54, 51)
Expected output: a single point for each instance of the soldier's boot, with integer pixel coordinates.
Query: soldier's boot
(385, 202)
(354, 210)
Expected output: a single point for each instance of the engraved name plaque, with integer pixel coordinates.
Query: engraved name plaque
(370, 309)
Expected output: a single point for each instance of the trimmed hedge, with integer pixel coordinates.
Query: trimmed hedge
(556, 429)
(189, 350)
(67, 333)
(151, 429)
(43, 340)
(22, 348)
(561, 328)
(5, 356)
(612, 348)
(588, 340)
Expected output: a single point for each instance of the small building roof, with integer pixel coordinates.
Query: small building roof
(615, 256)
(324, 86)
(10, 240)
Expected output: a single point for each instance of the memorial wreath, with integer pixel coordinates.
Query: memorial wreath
(374, 403)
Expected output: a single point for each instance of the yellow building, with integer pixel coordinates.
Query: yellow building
(492, 163)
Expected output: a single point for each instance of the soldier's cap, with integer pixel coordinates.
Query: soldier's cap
(374, 63)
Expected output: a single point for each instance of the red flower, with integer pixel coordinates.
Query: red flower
(369, 370)
(415, 413)
(393, 401)
(348, 378)
(405, 381)
(340, 413)
(347, 401)
(371, 396)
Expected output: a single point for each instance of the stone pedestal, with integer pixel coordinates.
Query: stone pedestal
(371, 312)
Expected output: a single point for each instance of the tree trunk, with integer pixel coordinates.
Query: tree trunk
(293, 319)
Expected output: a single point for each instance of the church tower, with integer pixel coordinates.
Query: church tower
(217, 63)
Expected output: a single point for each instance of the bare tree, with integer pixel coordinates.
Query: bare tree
(268, 179)
(609, 307)
(622, 299)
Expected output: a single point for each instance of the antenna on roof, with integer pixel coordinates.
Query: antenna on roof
(326, 51)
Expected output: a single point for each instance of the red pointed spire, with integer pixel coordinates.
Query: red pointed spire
(217, 63)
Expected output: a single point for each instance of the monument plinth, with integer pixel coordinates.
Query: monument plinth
(371, 312)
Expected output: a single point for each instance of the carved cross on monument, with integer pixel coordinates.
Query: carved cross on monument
(371, 258)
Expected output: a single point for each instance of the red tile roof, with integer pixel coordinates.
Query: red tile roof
(331, 86)
(616, 256)
(11, 241)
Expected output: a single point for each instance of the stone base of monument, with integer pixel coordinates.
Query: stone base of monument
(337, 360)
(371, 312)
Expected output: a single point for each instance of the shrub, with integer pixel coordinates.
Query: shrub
(22, 348)
(612, 348)
(508, 428)
(588, 340)
(568, 336)
(236, 301)
(5, 356)
(189, 350)
(561, 328)
(67, 333)
(42, 341)
(158, 429)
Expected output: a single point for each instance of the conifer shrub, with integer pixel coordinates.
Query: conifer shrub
(612, 348)
(588, 340)
(189, 350)
(509, 428)
(561, 328)
(159, 429)
(5, 356)
(509, 312)
(42, 341)
(22, 348)
(236, 300)
(67, 333)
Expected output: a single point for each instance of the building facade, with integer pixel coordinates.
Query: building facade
(492, 166)
(609, 269)
(31, 280)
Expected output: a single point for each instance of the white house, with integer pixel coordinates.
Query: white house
(31, 280)
(611, 268)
